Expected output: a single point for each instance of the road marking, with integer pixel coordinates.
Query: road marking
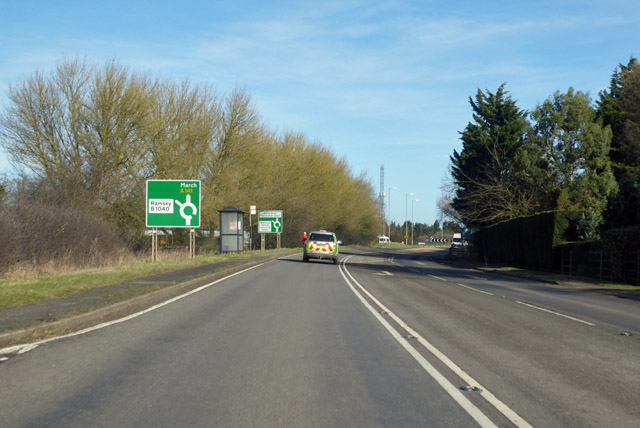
(454, 392)
(555, 313)
(436, 277)
(415, 270)
(384, 273)
(21, 349)
(475, 277)
(475, 289)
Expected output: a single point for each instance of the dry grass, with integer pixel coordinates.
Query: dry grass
(68, 265)
(26, 287)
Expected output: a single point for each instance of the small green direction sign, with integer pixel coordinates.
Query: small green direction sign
(270, 222)
(173, 203)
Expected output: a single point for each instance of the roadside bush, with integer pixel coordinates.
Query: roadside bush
(36, 235)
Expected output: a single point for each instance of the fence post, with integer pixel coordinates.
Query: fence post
(600, 265)
(570, 261)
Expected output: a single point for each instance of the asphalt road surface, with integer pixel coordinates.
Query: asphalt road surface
(384, 339)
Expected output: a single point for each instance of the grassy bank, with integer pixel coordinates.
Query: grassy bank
(16, 292)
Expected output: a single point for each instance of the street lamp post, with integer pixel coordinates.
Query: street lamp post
(406, 214)
(412, 201)
(390, 189)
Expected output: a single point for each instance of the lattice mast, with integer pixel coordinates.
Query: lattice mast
(381, 198)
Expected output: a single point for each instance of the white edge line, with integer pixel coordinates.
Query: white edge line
(21, 349)
(495, 402)
(555, 313)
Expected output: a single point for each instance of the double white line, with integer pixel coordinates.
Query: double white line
(454, 392)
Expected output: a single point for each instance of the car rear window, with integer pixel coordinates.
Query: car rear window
(321, 237)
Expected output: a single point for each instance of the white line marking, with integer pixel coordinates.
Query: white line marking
(384, 273)
(21, 349)
(555, 313)
(415, 270)
(436, 277)
(474, 277)
(475, 289)
(475, 413)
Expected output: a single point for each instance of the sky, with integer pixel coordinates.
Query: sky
(379, 82)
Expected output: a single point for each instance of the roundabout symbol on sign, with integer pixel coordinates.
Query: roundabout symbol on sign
(187, 203)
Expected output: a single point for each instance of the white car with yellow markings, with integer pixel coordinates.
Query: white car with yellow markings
(321, 245)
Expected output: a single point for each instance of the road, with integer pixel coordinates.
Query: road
(384, 339)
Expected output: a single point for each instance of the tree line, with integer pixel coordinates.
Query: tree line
(568, 154)
(88, 136)
(422, 231)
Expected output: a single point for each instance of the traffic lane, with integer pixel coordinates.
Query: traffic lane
(286, 344)
(551, 370)
(616, 309)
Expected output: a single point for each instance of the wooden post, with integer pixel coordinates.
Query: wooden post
(192, 243)
(154, 245)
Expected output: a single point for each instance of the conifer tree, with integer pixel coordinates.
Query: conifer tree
(485, 172)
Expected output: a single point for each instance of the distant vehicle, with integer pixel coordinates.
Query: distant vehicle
(456, 242)
(321, 245)
(383, 239)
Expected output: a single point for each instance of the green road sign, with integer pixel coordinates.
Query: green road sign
(270, 222)
(173, 203)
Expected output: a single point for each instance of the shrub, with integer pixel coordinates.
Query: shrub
(37, 234)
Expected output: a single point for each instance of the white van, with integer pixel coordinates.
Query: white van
(383, 239)
(456, 242)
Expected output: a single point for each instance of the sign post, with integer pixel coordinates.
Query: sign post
(173, 203)
(252, 211)
(154, 245)
(270, 222)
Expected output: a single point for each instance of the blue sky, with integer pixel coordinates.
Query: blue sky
(380, 82)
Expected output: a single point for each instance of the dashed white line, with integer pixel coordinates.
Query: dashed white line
(555, 313)
(475, 289)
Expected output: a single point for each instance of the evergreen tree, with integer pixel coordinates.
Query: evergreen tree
(619, 107)
(573, 158)
(487, 179)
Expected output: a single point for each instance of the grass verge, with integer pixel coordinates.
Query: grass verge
(16, 292)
